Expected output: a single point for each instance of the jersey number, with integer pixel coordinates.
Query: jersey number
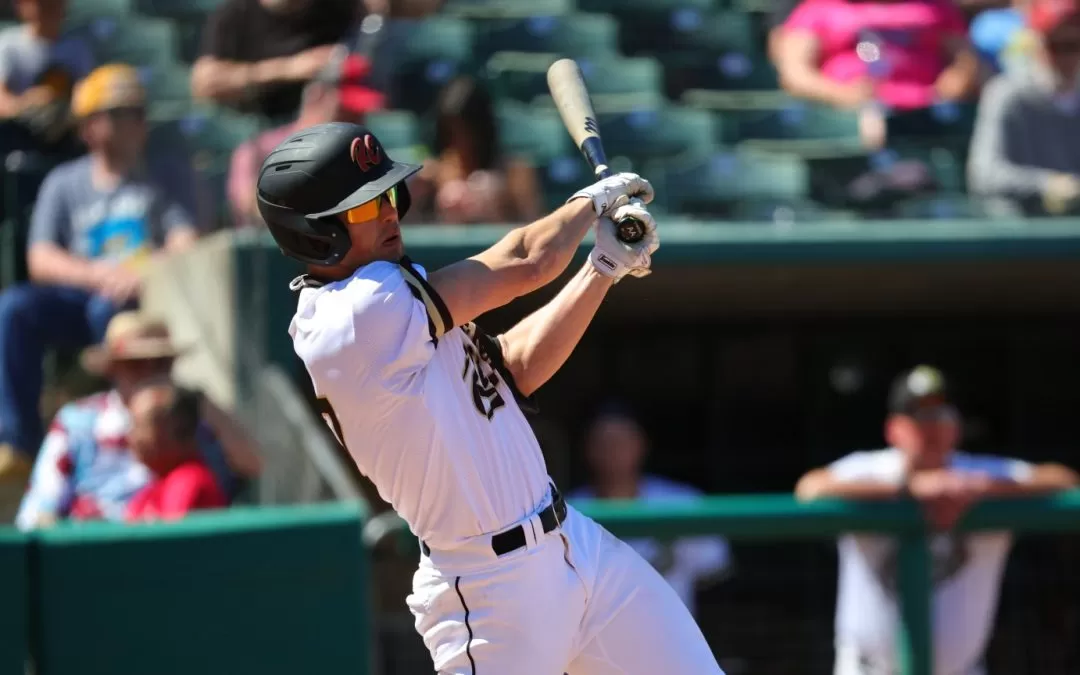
(486, 397)
(331, 418)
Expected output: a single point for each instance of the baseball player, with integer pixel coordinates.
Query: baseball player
(922, 428)
(511, 579)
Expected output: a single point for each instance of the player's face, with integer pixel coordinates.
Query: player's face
(928, 436)
(616, 449)
(375, 232)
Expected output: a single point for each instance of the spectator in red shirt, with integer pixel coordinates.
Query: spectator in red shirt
(164, 421)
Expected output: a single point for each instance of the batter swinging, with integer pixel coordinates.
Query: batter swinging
(511, 580)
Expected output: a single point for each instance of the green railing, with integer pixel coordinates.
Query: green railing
(777, 517)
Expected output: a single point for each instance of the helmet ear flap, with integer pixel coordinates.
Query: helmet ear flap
(404, 200)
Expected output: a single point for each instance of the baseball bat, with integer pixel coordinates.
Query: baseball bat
(567, 86)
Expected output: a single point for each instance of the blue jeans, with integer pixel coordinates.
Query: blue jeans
(32, 319)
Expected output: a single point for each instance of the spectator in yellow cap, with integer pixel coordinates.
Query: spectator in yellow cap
(97, 221)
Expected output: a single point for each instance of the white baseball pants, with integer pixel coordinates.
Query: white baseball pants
(575, 601)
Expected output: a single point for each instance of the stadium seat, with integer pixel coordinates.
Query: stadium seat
(574, 35)
(687, 31)
(726, 182)
(168, 88)
(795, 120)
(430, 54)
(23, 175)
(139, 41)
(613, 81)
(217, 131)
(730, 71)
(639, 6)
(946, 206)
(506, 9)
(175, 8)
(398, 130)
(658, 133)
(536, 134)
(81, 12)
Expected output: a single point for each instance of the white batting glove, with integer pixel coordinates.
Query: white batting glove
(615, 259)
(612, 192)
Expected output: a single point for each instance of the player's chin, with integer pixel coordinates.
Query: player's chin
(394, 245)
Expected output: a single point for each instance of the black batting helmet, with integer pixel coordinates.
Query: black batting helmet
(318, 173)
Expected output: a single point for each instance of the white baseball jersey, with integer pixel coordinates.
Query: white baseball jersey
(426, 409)
(967, 572)
(686, 561)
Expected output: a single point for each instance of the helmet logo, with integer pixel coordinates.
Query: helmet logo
(365, 152)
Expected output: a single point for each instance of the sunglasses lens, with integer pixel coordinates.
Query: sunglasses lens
(370, 210)
(363, 213)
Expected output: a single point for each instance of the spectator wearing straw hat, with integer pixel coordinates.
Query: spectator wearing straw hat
(922, 428)
(97, 222)
(85, 468)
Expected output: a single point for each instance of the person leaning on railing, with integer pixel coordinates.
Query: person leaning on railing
(922, 429)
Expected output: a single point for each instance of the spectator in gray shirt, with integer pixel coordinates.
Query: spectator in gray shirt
(98, 222)
(39, 66)
(1026, 146)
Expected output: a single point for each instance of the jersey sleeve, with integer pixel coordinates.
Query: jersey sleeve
(397, 321)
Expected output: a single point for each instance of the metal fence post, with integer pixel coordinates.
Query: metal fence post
(915, 641)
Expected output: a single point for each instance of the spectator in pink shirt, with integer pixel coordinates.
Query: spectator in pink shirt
(337, 95)
(902, 54)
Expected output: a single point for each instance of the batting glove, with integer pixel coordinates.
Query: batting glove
(615, 259)
(614, 191)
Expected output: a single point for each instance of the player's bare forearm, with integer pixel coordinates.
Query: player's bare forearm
(526, 259)
(1045, 479)
(539, 345)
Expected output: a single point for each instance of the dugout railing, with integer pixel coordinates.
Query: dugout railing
(781, 517)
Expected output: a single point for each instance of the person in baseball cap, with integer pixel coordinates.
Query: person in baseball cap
(921, 417)
(110, 108)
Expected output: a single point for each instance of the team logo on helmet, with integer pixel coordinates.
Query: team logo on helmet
(365, 152)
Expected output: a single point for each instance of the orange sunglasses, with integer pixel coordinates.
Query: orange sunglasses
(370, 210)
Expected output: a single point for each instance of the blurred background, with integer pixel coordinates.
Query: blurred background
(845, 189)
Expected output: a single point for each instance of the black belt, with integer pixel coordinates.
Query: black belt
(514, 538)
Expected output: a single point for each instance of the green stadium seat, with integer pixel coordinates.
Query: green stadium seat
(489, 9)
(218, 131)
(430, 54)
(138, 41)
(726, 183)
(731, 71)
(659, 133)
(177, 8)
(687, 31)
(946, 206)
(398, 130)
(81, 12)
(573, 35)
(23, 174)
(536, 134)
(795, 120)
(638, 6)
(612, 80)
(168, 89)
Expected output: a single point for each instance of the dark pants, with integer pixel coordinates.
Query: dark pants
(32, 319)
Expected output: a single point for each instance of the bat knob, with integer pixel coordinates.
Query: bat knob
(630, 230)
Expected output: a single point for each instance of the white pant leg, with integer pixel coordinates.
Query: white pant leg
(635, 623)
(519, 616)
